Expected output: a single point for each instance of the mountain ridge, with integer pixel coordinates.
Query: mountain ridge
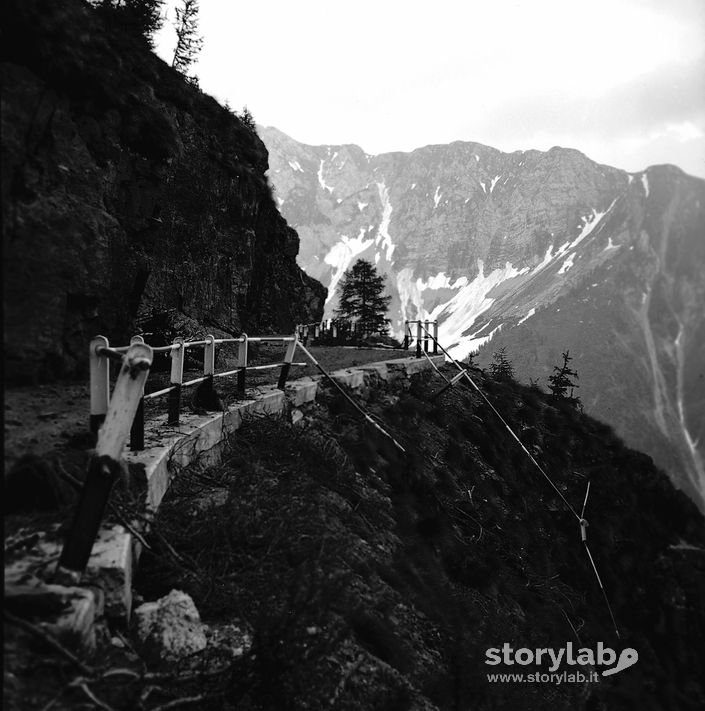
(483, 240)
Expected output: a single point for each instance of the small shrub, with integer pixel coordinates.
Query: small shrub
(501, 368)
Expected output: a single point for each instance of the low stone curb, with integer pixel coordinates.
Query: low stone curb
(106, 588)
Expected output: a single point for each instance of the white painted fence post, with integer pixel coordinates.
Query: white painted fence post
(99, 368)
(137, 430)
(209, 356)
(177, 377)
(242, 363)
(105, 466)
(288, 359)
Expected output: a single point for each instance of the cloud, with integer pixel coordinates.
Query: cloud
(630, 125)
(619, 75)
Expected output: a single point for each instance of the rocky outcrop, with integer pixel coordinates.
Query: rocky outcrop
(127, 193)
(536, 251)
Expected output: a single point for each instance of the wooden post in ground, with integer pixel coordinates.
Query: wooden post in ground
(206, 390)
(419, 335)
(177, 377)
(242, 364)
(105, 466)
(209, 356)
(425, 340)
(99, 367)
(406, 335)
(288, 359)
(137, 430)
(435, 337)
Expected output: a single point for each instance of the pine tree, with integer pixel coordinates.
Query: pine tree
(361, 298)
(140, 17)
(501, 368)
(561, 384)
(248, 120)
(188, 42)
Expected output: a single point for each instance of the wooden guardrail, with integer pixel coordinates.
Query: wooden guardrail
(120, 416)
(100, 354)
(344, 331)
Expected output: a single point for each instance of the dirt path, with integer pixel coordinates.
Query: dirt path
(52, 420)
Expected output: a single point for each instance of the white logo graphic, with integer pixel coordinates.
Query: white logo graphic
(627, 658)
(554, 658)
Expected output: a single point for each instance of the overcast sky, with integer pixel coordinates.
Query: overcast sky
(621, 80)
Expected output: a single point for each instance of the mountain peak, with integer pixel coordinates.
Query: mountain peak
(537, 250)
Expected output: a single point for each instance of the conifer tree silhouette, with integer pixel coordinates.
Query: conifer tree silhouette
(561, 383)
(362, 299)
(501, 368)
(188, 41)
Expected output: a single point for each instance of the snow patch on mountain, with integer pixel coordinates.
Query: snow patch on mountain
(383, 231)
(494, 182)
(590, 223)
(437, 197)
(532, 311)
(587, 225)
(462, 310)
(341, 256)
(645, 183)
(548, 257)
(294, 164)
(411, 291)
(473, 344)
(567, 264)
(692, 444)
(362, 205)
(322, 182)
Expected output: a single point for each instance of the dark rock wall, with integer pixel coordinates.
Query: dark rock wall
(126, 192)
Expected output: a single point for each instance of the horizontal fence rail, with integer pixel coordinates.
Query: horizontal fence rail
(101, 354)
(118, 416)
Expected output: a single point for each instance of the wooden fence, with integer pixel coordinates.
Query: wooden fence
(340, 332)
(101, 354)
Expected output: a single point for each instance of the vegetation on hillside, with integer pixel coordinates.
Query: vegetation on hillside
(373, 579)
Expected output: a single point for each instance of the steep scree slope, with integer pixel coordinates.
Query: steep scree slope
(126, 192)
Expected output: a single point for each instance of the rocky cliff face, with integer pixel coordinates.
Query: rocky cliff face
(127, 193)
(538, 251)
